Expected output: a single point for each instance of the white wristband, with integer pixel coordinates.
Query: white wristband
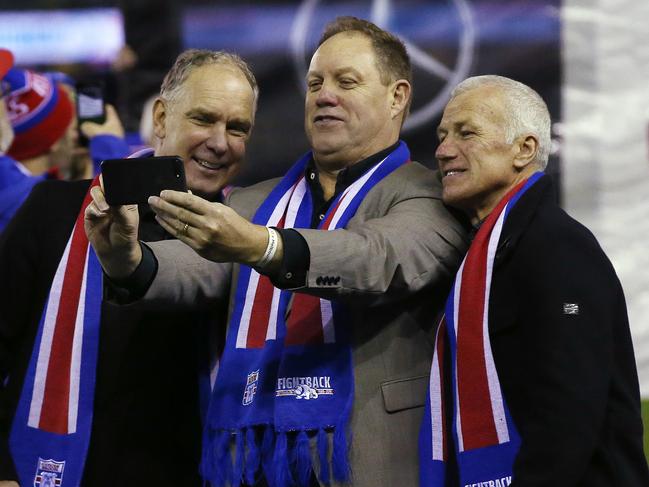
(271, 248)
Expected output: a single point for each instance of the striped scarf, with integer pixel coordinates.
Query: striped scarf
(483, 434)
(51, 428)
(283, 380)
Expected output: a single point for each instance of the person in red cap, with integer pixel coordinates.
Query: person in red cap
(15, 180)
(40, 138)
(42, 114)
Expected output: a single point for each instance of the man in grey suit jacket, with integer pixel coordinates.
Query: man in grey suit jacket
(390, 265)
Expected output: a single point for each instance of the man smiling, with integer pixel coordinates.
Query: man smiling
(205, 115)
(140, 412)
(544, 384)
(360, 234)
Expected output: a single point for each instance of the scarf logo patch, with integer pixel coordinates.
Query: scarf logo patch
(251, 388)
(49, 473)
(304, 387)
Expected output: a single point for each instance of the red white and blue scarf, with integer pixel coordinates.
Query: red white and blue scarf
(51, 428)
(283, 380)
(483, 434)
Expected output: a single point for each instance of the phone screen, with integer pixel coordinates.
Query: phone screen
(90, 107)
(90, 102)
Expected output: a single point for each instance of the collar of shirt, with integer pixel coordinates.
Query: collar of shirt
(344, 179)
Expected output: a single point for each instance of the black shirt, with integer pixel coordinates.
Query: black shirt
(297, 257)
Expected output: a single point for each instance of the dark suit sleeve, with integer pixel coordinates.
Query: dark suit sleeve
(18, 259)
(570, 308)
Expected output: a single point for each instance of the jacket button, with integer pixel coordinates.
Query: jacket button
(288, 275)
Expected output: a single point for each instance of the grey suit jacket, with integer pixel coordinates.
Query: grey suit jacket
(395, 260)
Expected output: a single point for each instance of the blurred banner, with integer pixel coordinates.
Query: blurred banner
(63, 36)
(605, 150)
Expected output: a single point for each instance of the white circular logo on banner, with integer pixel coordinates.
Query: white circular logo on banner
(381, 14)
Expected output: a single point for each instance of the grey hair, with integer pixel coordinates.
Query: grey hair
(527, 112)
(193, 58)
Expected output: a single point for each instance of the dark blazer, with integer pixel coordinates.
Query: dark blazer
(146, 427)
(562, 346)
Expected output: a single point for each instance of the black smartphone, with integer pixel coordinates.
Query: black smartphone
(132, 181)
(90, 105)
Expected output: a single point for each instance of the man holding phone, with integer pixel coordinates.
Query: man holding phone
(359, 232)
(145, 421)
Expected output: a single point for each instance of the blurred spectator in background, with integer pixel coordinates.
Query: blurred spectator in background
(40, 109)
(42, 115)
(106, 142)
(15, 181)
(144, 427)
(35, 122)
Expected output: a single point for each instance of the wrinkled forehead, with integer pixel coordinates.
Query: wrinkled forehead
(344, 49)
(482, 105)
(217, 83)
(221, 75)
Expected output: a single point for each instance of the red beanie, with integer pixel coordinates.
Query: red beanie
(39, 111)
(6, 61)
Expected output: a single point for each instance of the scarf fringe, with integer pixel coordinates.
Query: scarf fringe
(340, 457)
(285, 457)
(282, 469)
(222, 474)
(267, 450)
(239, 451)
(323, 450)
(253, 457)
(303, 462)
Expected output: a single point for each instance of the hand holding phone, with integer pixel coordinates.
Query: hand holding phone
(112, 125)
(132, 181)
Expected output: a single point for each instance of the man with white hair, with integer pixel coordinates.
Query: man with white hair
(541, 386)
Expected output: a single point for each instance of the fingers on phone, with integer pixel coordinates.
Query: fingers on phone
(186, 200)
(98, 199)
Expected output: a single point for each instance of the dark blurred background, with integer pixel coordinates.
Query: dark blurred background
(131, 44)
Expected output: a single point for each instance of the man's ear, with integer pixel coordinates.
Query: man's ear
(528, 147)
(160, 109)
(400, 95)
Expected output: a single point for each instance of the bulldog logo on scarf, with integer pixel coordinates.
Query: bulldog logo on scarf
(304, 387)
(49, 473)
(300, 345)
